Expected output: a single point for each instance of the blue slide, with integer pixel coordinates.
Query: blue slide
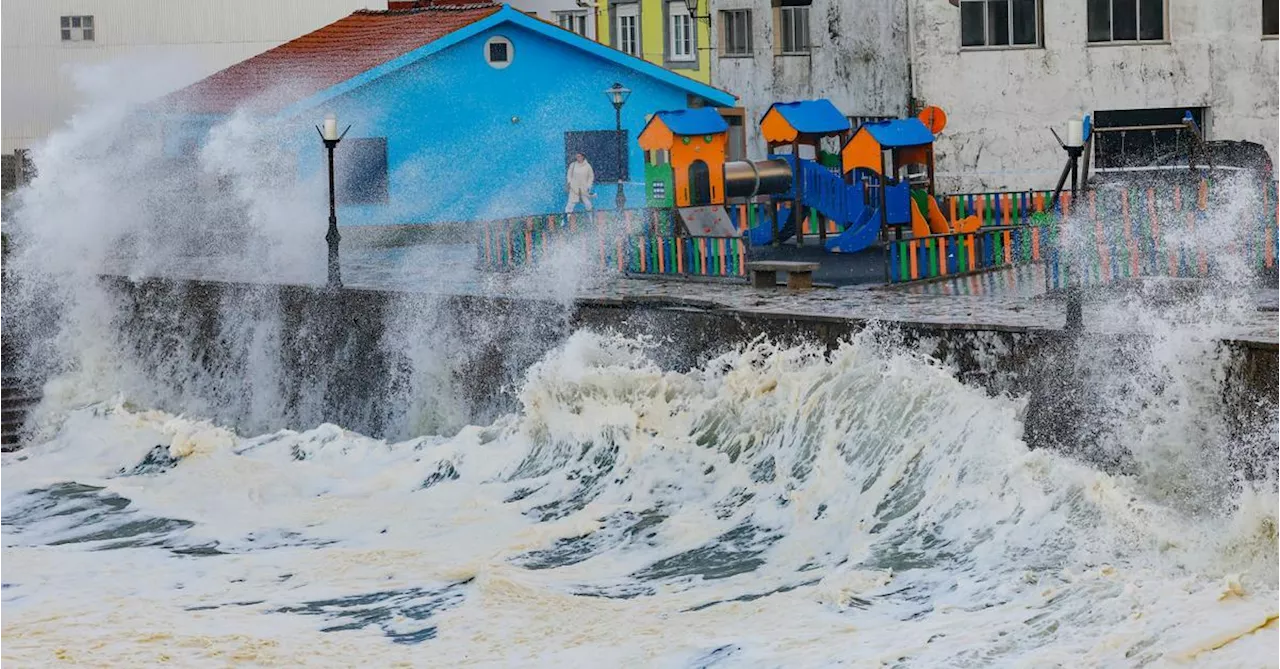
(858, 235)
(762, 234)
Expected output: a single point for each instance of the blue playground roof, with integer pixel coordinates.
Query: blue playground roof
(900, 132)
(812, 117)
(700, 121)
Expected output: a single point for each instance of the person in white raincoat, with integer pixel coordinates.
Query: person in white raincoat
(579, 180)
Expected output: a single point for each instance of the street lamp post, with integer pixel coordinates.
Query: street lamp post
(330, 137)
(618, 95)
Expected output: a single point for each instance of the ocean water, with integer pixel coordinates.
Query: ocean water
(773, 507)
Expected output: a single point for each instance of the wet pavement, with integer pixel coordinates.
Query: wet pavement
(1014, 299)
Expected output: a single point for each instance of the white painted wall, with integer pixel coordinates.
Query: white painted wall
(192, 38)
(547, 10)
(1001, 103)
(858, 61)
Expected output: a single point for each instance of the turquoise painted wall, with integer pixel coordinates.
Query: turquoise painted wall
(454, 152)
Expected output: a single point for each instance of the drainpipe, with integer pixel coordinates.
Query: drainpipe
(911, 76)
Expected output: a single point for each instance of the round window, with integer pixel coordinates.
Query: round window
(498, 52)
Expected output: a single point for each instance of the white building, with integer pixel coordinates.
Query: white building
(851, 53)
(1006, 71)
(576, 15)
(47, 44)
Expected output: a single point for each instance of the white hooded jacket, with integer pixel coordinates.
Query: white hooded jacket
(580, 176)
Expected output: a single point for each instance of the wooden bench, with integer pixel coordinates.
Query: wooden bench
(764, 273)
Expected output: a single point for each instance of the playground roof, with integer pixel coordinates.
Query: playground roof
(700, 121)
(811, 117)
(899, 132)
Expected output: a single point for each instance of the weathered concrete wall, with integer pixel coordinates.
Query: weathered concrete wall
(858, 61)
(1001, 102)
(398, 365)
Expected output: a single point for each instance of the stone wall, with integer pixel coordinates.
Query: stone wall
(266, 357)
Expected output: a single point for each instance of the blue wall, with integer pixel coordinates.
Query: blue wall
(454, 153)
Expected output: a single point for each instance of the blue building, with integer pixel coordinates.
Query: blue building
(458, 112)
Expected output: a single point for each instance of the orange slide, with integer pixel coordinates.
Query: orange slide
(938, 224)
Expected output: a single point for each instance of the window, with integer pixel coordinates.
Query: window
(736, 28)
(999, 23)
(626, 28)
(77, 28)
(601, 148)
(498, 52)
(1270, 18)
(1126, 20)
(793, 27)
(361, 171)
(680, 44)
(737, 149)
(573, 22)
(1143, 137)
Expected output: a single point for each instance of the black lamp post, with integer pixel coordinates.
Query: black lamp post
(330, 137)
(618, 95)
(692, 6)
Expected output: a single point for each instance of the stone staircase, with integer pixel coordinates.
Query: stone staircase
(16, 400)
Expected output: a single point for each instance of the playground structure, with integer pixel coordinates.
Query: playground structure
(686, 170)
(851, 198)
(703, 213)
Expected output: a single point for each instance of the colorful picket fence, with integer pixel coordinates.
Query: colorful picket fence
(1164, 231)
(642, 241)
(998, 208)
(686, 256)
(945, 255)
(513, 242)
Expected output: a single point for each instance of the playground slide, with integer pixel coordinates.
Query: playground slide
(966, 224)
(762, 234)
(937, 223)
(919, 226)
(859, 234)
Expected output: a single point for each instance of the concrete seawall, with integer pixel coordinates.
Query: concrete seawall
(264, 357)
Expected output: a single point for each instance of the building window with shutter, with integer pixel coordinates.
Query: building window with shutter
(1126, 21)
(361, 166)
(792, 23)
(735, 29)
(626, 28)
(1000, 23)
(77, 28)
(1270, 18)
(680, 37)
(573, 22)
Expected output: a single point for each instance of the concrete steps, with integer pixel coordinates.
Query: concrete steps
(17, 398)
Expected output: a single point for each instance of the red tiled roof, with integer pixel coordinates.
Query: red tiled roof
(335, 53)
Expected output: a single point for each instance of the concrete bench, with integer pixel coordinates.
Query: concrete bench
(764, 273)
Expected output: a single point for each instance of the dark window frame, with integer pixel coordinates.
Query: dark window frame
(731, 46)
(1271, 22)
(1093, 22)
(601, 149)
(998, 28)
(790, 18)
(77, 28)
(1129, 148)
(361, 171)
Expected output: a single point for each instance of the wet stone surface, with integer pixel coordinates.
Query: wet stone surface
(1013, 300)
